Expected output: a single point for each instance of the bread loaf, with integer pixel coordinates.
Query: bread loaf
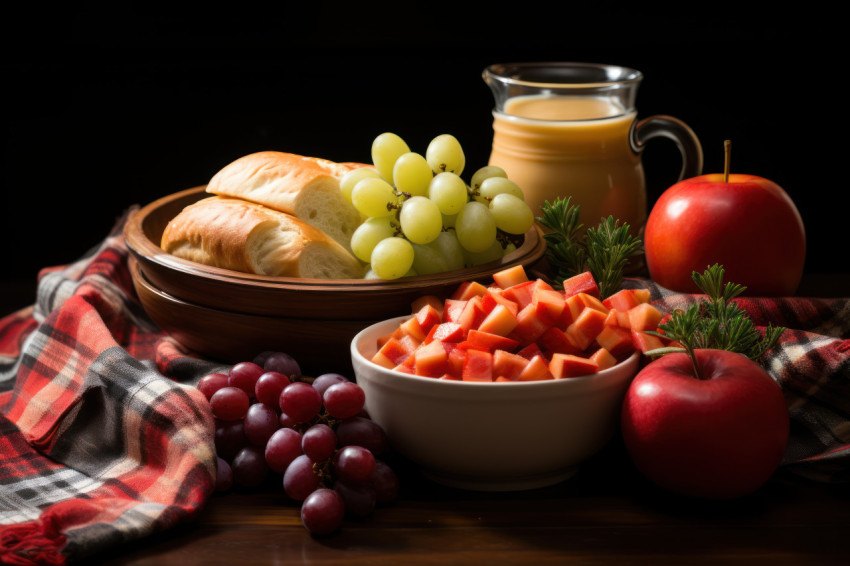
(305, 187)
(244, 236)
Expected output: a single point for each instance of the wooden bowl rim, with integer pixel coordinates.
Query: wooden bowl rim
(145, 250)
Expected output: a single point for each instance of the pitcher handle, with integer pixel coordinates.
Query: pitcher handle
(669, 127)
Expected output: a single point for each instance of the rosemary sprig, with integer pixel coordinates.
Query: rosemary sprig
(716, 322)
(604, 250)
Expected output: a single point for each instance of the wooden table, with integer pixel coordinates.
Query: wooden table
(606, 514)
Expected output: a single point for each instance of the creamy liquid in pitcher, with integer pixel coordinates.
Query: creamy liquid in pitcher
(562, 146)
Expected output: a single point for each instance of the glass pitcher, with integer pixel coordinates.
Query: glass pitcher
(571, 130)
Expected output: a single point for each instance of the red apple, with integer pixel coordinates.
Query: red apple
(721, 436)
(747, 224)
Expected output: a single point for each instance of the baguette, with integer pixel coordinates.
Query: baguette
(244, 236)
(305, 187)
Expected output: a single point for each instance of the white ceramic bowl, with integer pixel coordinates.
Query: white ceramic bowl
(491, 436)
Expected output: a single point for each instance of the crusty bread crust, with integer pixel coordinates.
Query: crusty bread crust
(305, 187)
(244, 236)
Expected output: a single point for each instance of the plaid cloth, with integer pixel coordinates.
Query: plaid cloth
(104, 439)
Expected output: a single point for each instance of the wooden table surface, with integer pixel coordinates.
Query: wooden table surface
(606, 514)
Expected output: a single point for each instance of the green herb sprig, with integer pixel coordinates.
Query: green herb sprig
(604, 251)
(715, 322)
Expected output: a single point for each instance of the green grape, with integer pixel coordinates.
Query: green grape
(485, 173)
(475, 227)
(444, 153)
(392, 258)
(450, 249)
(370, 274)
(448, 191)
(428, 259)
(449, 220)
(493, 186)
(492, 253)
(346, 184)
(420, 220)
(511, 214)
(386, 149)
(372, 197)
(369, 233)
(412, 174)
(511, 247)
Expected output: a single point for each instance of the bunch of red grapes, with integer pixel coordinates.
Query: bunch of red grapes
(271, 419)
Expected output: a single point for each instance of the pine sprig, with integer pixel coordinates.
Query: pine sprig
(716, 322)
(604, 250)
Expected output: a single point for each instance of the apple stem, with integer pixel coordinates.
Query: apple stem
(727, 151)
(692, 355)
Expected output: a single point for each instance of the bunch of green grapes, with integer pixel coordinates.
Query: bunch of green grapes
(421, 217)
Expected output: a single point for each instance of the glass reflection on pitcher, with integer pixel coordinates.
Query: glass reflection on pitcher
(571, 130)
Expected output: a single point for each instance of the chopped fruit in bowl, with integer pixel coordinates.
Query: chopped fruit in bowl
(504, 386)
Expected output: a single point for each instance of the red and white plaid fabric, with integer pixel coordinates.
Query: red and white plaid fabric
(104, 439)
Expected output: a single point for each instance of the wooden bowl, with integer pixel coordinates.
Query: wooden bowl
(293, 298)
(319, 346)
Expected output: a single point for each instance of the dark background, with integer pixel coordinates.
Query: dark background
(110, 105)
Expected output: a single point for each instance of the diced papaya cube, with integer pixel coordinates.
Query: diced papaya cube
(432, 300)
(397, 333)
(603, 359)
(467, 290)
(478, 366)
(645, 342)
(592, 302)
(452, 310)
(644, 317)
(392, 353)
(568, 365)
(549, 303)
(616, 340)
(586, 327)
(572, 308)
(530, 351)
(537, 369)
(449, 377)
(503, 379)
(530, 325)
(500, 298)
(411, 327)
(622, 300)
(508, 365)
(581, 283)
(456, 357)
(488, 303)
(478, 340)
(473, 314)
(431, 359)
(510, 276)
(520, 294)
(446, 332)
(500, 321)
(556, 340)
(642, 295)
(428, 316)
(404, 369)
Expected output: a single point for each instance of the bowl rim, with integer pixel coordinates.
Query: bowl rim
(149, 252)
(358, 357)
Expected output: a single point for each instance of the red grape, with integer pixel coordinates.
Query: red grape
(319, 442)
(249, 467)
(385, 483)
(354, 464)
(344, 400)
(268, 388)
(211, 383)
(300, 401)
(261, 422)
(360, 431)
(229, 438)
(325, 380)
(322, 511)
(223, 475)
(299, 480)
(244, 375)
(229, 403)
(359, 499)
(282, 448)
(283, 363)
